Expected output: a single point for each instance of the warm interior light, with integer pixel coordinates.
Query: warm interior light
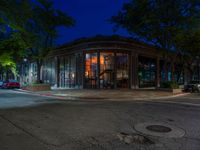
(89, 62)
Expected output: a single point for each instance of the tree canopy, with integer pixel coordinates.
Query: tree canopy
(159, 21)
(33, 25)
(173, 25)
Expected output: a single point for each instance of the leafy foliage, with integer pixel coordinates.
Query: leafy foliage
(33, 25)
(158, 21)
(169, 84)
(173, 25)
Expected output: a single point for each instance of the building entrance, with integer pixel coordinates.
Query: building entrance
(106, 70)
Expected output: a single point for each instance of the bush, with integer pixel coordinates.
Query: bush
(169, 84)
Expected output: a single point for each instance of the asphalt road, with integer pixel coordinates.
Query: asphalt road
(30, 122)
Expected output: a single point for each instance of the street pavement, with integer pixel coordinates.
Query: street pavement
(32, 122)
(12, 99)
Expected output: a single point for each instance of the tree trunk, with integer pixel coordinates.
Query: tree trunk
(7, 74)
(179, 73)
(166, 71)
(172, 71)
(39, 65)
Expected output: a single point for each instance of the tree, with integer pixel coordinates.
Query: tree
(159, 22)
(7, 64)
(36, 25)
(47, 19)
(12, 50)
(13, 40)
(189, 44)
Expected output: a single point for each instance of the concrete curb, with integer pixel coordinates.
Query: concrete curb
(97, 99)
(39, 94)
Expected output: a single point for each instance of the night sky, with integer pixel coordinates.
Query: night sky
(91, 18)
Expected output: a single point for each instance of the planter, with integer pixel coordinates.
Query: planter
(173, 91)
(37, 87)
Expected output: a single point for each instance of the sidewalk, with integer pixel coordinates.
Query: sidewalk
(116, 95)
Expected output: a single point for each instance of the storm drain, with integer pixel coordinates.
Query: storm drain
(159, 129)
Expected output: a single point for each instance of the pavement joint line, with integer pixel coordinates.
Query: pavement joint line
(178, 103)
(27, 132)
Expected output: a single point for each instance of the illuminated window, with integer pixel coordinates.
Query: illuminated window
(91, 70)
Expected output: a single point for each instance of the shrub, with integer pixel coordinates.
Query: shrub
(169, 84)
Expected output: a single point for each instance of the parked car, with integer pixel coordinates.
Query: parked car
(193, 86)
(11, 84)
(1, 83)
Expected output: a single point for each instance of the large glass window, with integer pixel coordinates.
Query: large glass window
(91, 70)
(62, 72)
(67, 71)
(122, 69)
(179, 73)
(147, 72)
(106, 70)
(49, 71)
(165, 71)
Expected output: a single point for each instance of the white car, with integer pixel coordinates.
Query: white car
(193, 86)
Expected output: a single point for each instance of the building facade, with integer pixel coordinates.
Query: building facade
(110, 63)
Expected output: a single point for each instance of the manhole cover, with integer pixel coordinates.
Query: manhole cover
(158, 128)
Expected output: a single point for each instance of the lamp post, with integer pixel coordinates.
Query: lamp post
(23, 71)
(198, 69)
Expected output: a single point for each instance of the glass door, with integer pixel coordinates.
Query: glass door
(91, 70)
(122, 70)
(106, 70)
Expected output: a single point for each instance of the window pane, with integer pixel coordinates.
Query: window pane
(91, 70)
(107, 70)
(122, 64)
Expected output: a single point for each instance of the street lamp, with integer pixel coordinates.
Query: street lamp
(25, 59)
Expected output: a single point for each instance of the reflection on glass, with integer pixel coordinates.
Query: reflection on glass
(49, 73)
(67, 71)
(106, 70)
(122, 70)
(147, 72)
(165, 71)
(91, 70)
(179, 73)
(113, 70)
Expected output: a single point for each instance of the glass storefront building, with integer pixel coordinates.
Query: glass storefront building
(109, 63)
(106, 69)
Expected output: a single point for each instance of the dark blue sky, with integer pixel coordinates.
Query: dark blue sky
(90, 16)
